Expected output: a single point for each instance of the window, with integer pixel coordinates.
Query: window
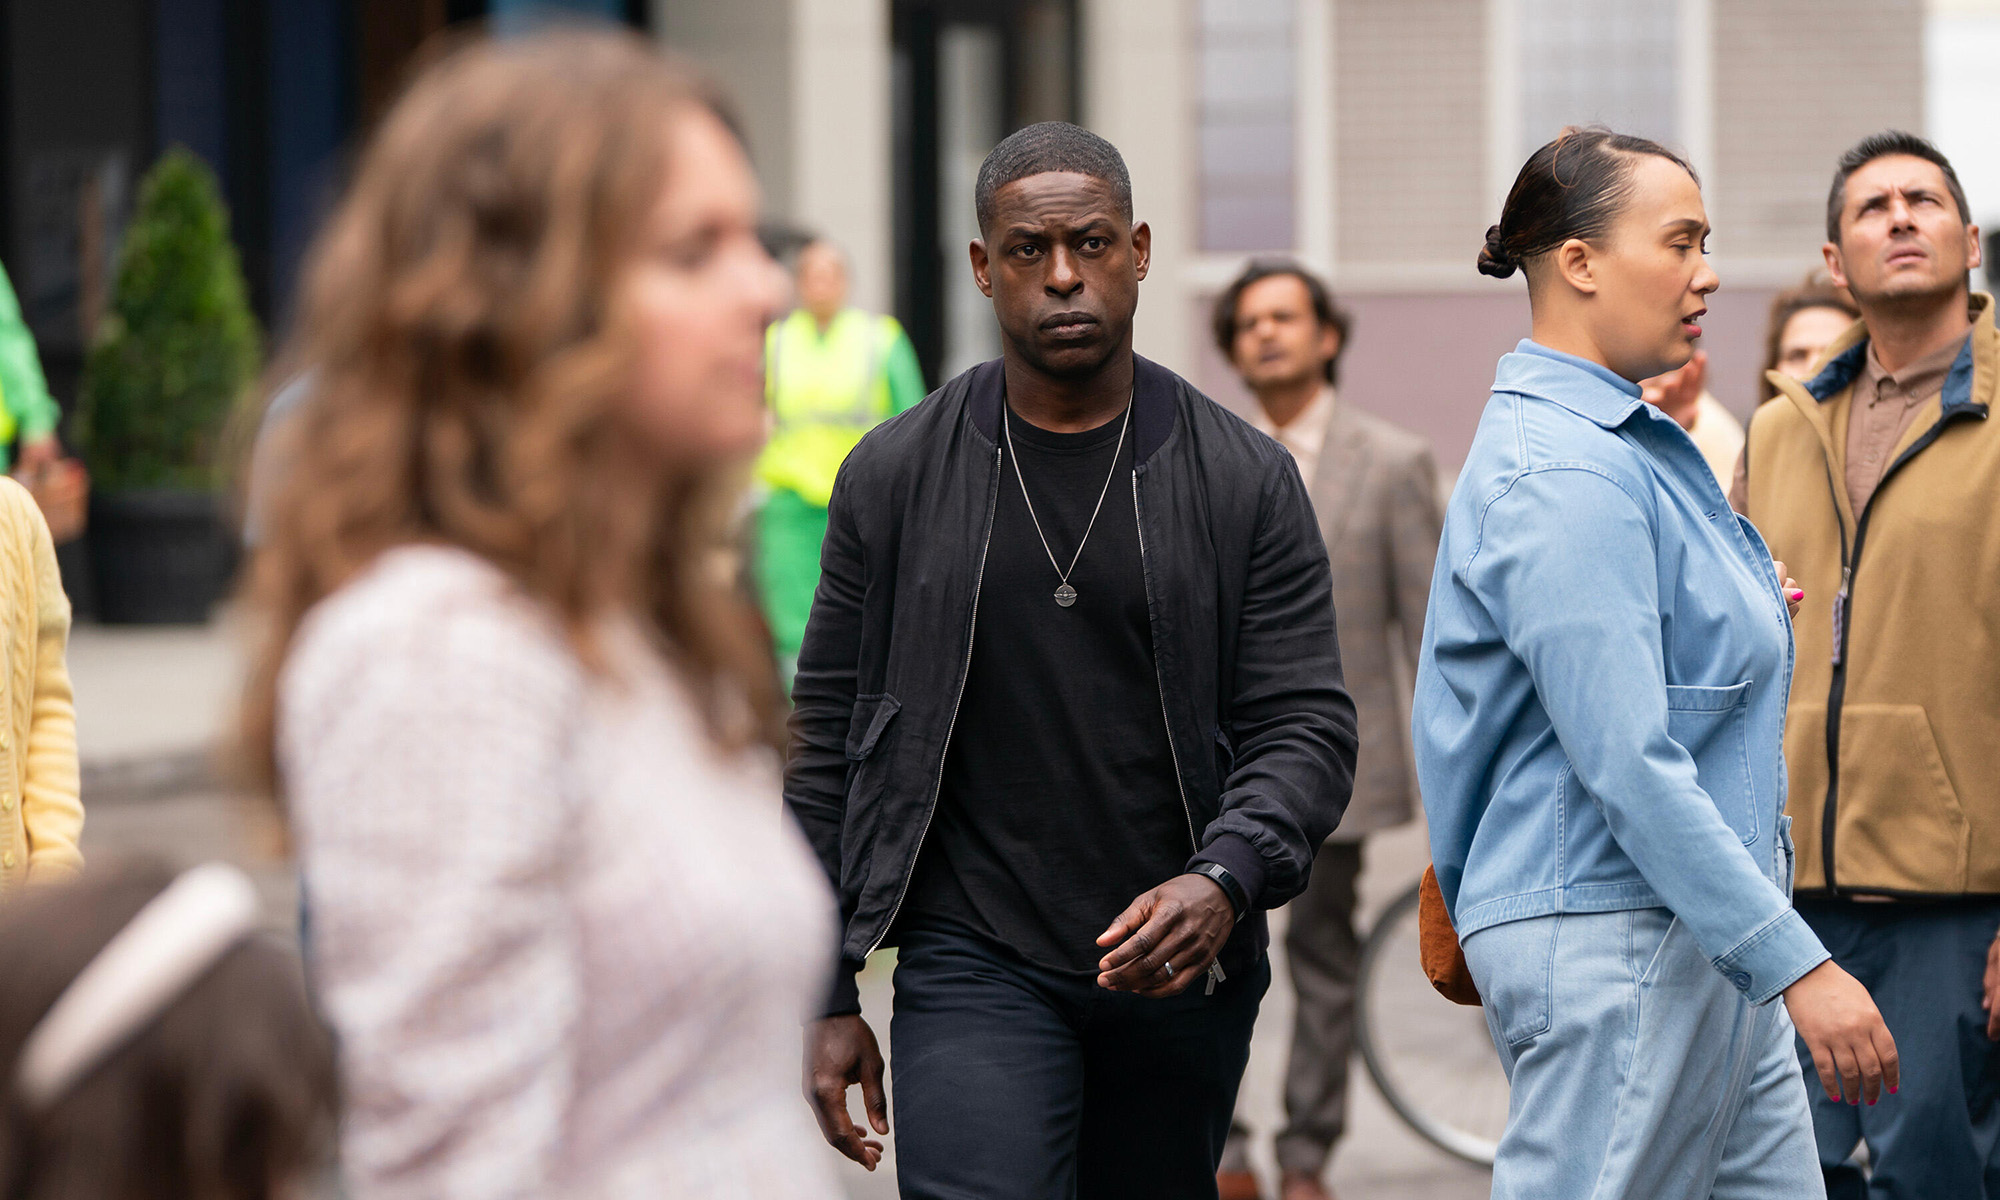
(1610, 62)
(1248, 93)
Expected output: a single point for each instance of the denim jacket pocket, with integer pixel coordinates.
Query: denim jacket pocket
(1712, 725)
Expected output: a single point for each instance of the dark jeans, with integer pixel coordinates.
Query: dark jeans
(1011, 1082)
(1939, 1136)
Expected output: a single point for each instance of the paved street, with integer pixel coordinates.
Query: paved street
(146, 696)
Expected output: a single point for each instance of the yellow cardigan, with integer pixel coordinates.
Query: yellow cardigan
(41, 811)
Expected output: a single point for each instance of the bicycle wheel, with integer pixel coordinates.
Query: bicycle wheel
(1433, 1060)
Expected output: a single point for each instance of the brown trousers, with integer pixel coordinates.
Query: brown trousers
(1323, 950)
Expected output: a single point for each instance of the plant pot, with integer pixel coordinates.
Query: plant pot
(160, 557)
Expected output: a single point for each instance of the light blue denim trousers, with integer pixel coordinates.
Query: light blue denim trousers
(1637, 1070)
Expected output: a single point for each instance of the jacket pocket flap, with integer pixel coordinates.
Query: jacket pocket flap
(872, 714)
(1690, 698)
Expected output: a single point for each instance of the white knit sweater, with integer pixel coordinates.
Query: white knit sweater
(565, 944)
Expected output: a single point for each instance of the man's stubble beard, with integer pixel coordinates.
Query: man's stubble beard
(1032, 355)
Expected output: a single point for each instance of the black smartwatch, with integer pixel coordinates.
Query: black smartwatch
(1238, 898)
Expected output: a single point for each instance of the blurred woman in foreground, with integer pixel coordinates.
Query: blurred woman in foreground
(526, 730)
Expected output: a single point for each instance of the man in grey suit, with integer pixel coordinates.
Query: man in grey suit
(1374, 489)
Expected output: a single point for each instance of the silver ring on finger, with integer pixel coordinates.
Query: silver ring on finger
(1168, 968)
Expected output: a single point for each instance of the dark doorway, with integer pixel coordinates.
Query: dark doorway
(966, 74)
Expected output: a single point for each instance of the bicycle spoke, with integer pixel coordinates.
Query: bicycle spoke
(1433, 1060)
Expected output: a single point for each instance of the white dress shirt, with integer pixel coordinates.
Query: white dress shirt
(1304, 434)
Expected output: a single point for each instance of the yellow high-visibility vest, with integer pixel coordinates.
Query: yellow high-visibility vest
(824, 393)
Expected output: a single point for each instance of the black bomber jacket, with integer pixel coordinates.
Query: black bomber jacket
(1241, 604)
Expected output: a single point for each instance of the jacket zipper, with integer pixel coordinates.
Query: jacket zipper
(964, 671)
(1215, 972)
(1836, 696)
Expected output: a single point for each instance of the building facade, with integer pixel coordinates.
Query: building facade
(1372, 139)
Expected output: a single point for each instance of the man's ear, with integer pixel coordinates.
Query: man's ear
(1974, 253)
(1834, 271)
(982, 269)
(1329, 341)
(1572, 261)
(1142, 247)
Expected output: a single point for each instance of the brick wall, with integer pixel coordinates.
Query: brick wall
(1411, 110)
(1796, 83)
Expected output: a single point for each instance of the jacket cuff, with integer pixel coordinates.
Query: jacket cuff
(1234, 854)
(843, 995)
(1773, 958)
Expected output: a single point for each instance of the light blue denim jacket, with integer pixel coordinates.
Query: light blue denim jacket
(1600, 703)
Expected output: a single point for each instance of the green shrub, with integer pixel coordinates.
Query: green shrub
(179, 345)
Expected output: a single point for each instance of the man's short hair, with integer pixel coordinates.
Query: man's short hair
(1050, 146)
(1330, 315)
(1882, 145)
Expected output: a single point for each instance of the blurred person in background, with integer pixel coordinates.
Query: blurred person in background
(41, 807)
(1599, 706)
(1374, 490)
(156, 1046)
(28, 414)
(1876, 480)
(831, 373)
(1804, 321)
(1684, 396)
(1069, 718)
(524, 723)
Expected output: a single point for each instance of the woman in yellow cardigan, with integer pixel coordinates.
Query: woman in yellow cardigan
(41, 813)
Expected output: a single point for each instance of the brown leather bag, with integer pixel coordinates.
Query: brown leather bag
(1437, 941)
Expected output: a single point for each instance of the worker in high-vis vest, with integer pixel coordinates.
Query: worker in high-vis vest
(28, 414)
(831, 373)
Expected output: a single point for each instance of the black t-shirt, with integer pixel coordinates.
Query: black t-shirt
(1059, 804)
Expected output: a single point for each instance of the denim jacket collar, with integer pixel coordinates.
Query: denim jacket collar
(1590, 390)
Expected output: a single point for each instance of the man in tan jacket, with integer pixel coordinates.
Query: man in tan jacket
(1374, 489)
(1876, 482)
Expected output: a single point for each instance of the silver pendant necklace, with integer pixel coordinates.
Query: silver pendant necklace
(1065, 595)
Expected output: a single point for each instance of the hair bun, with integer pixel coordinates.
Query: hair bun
(1493, 257)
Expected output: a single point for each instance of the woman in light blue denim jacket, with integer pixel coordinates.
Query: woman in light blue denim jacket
(1599, 710)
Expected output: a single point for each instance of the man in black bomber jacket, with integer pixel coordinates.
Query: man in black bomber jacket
(1069, 718)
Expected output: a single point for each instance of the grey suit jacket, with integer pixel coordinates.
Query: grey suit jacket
(1376, 494)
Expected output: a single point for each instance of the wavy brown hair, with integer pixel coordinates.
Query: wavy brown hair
(465, 357)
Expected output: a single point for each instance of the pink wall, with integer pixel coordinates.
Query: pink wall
(1425, 360)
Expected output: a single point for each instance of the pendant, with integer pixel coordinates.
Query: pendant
(1065, 595)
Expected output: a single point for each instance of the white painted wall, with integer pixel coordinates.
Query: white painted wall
(811, 81)
(744, 44)
(1962, 99)
(1138, 81)
(841, 174)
